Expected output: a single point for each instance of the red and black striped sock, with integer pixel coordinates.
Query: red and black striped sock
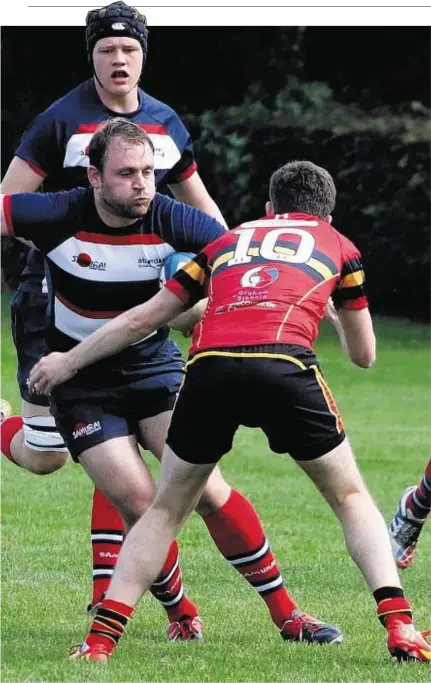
(419, 500)
(392, 606)
(107, 534)
(8, 428)
(239, 535)
(168, 589)
(109, 624)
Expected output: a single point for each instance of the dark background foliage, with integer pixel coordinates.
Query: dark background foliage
(353, 99)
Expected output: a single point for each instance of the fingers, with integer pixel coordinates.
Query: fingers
(39, 381)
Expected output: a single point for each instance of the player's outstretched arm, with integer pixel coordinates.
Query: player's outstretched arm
(331, 316)
(360, 341)
(120, 332)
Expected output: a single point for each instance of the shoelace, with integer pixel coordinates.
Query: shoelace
(310, 622)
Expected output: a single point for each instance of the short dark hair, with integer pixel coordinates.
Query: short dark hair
(117, 127)
(303, 187)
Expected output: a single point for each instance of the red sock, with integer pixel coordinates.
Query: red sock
(394, 609)
(109, 624)
(168, 589)
(238, 533)
(107, 531)
(8, 428)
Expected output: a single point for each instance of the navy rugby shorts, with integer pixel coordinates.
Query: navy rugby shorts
(277, 387)
(28, 319)
(98, 415)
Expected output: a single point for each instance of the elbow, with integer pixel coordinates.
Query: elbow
(365, 358)
(364, 362)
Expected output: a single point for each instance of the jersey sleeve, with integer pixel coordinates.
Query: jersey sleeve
(350, 290)
(189, 283)
(184, 227)
(187, 165)
(38, 217)
(39, 145)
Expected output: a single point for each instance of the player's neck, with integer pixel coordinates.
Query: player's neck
(109, 218)
(120, 105)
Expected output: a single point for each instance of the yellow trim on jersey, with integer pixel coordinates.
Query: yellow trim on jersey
(195, 271)
(320, 267)
(284, 250)
(353, 279)
(239, 354)
(222, 259)
(313, 263)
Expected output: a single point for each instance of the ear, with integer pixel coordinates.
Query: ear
(269, 209)
(94, 177)
(328, 219)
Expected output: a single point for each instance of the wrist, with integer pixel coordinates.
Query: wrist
(72, 362)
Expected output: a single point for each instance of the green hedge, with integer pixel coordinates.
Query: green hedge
(380, 163)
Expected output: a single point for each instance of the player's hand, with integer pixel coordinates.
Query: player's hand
(331, 314)
(50, 371)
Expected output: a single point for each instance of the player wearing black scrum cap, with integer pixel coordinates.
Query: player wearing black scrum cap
(117, 45)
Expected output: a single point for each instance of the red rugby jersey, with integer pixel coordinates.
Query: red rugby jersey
(268, 282)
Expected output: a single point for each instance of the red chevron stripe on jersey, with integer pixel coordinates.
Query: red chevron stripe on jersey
(98, 238)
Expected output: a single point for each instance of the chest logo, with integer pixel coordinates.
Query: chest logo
(262, 276)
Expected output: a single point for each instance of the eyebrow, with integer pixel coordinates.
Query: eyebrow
(108, 46)
(148, 167)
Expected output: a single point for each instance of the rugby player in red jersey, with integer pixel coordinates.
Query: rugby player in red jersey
(252, 363)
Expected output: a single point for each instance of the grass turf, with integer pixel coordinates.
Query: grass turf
(46, 549)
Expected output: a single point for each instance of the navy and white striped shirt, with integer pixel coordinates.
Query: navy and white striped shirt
(55, 146)
(97, 272)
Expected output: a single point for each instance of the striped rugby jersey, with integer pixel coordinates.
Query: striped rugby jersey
(269, 281)
(97, 272)
(55, 144)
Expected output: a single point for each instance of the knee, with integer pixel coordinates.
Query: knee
(134, 506)
(215, 494)
(351, 496)
(45, 463)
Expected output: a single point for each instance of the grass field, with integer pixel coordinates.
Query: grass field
(46, 551)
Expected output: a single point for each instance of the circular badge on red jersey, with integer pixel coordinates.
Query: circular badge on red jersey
(261, 276)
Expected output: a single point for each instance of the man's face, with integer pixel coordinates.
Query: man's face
(126, 186)
(118, 64)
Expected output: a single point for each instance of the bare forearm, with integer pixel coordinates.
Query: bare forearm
(109, 339)
(336, 323)
(126, 329)
(185, 322)
(211, 208)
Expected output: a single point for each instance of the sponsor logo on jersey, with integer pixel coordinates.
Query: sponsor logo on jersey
(85, 261)
(82, 429)
(261, 276)
(156, 261)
